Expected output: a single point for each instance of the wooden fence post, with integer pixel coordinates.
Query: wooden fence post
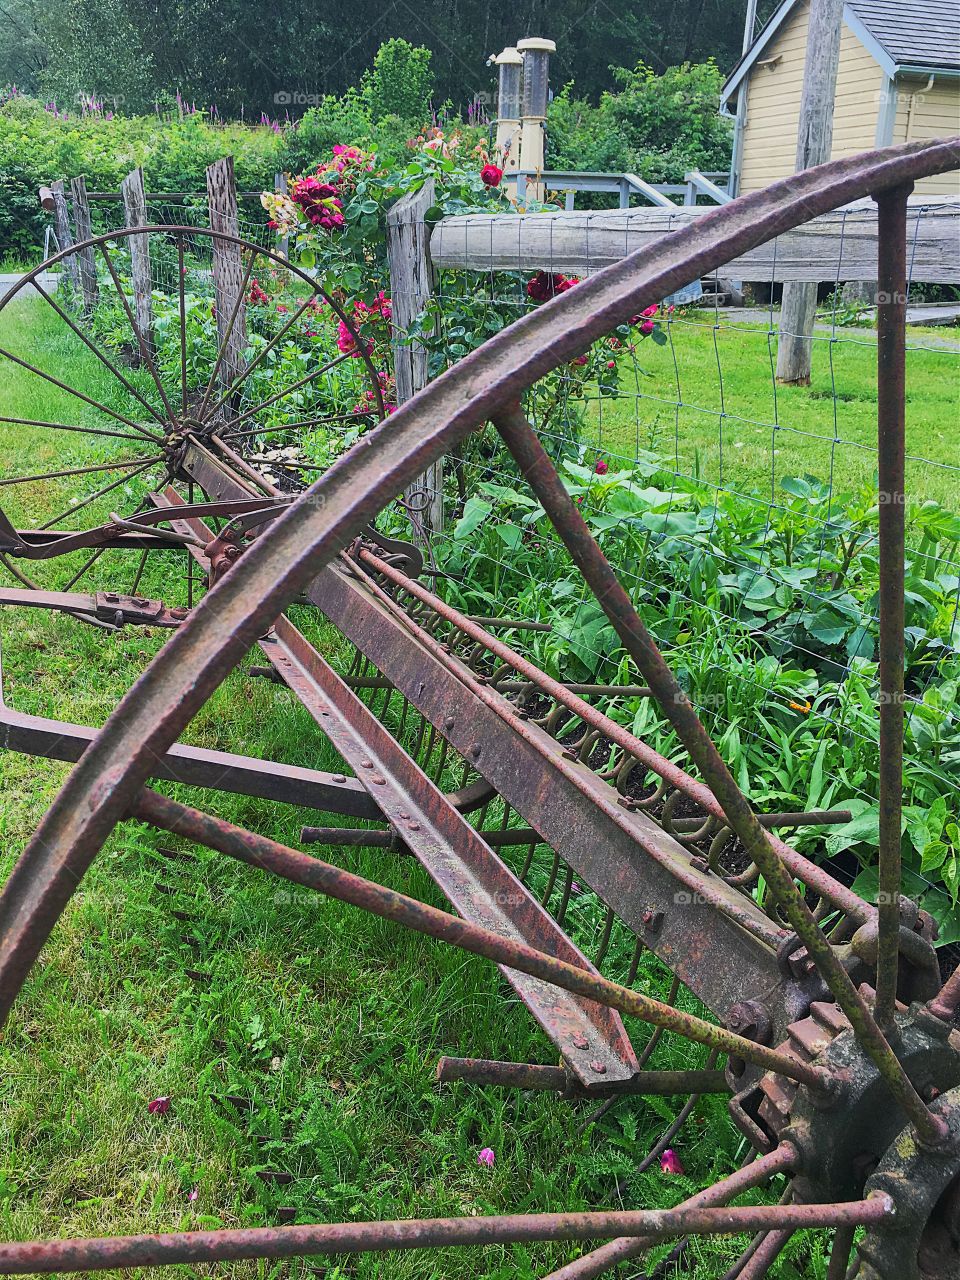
(227, 267)
(814, 143)
(87, 265)
(412, 284)
(61, 222)
(280, 186)
(135, 215)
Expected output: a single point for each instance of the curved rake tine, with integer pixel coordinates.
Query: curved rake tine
(142, 343)
(139, 574)
(755, 1174)
(85, 502)
(88, 431)
(17, 573)
(234, 312)
(121, 377)
(891, 374)
(634, 746)
(260, 356)
(671, 1130)
(56, 1256)
(80, 471)
(88, 564)
(536, 466)
(643, 1057)
(324, 878)
(182, 292)
(840, 1253)
(101, 408)
(760, 1256)
(295, 386)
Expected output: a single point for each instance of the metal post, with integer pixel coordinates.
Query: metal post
(891, 445)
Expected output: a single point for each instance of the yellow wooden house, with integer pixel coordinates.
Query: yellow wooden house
(898, 80)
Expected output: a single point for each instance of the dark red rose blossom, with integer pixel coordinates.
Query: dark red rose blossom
(545, 285)
(491, 175)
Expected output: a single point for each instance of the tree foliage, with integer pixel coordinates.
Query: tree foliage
(253, 57)
(657, 126)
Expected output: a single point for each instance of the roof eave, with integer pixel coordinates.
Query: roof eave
(951, 70)
(890, 67)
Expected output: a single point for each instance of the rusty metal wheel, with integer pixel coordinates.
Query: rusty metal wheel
(841, 1045)
(247, 387)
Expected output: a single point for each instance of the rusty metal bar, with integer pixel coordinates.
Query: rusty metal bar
(947, 1000)
(310, 872)
(195, 1247)
(766, 1249)
(536, 467)
(591, 1038)
(198, 767)
(525, 1075)
(891, 446)
(368, 838)
(349, 837)
(809, 872)
(812, 818)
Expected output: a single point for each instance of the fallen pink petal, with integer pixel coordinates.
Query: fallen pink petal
(159, 1106)
(486, 1157)
(670, 1162)
(192, 1194)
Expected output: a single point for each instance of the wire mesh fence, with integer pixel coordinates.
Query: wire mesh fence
(740, 513)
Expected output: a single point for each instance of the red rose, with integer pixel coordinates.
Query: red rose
(491, 175)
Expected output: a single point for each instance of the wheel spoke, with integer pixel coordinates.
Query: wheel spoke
(295, 386)
(840, 1253)
(92, 346)
(181, 289)
(139, 574)
(755, 1174)
(48, 377)
(235, 311)
(80, 471)
(761, 1254)
(53, 1257)
(230, 434)
(947, 1000)
(85, 502)
(142, 343)
(536, 466)
(90, 431)
(260, 356)
(88, 564)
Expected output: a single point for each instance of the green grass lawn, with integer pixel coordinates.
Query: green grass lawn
(708, 401)
(329, 1022)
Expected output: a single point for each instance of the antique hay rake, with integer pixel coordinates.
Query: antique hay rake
(840, 1037)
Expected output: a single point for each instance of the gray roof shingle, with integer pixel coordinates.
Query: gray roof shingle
(914, 32)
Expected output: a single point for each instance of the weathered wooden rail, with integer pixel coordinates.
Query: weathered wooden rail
(841, 245)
